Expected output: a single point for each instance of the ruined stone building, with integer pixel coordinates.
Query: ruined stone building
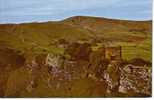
(113, 53)
(79, 51)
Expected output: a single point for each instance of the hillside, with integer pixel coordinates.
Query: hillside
(113, 30)
(109, 31)
(67, 58)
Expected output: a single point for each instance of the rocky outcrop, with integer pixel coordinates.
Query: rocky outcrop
(135, 79)
(85, 73)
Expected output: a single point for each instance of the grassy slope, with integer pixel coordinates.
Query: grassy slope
(38, 35)
(135, 36)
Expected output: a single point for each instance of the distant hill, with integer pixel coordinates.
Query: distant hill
(110, 31)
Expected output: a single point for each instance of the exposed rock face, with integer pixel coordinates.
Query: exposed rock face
(53, 60)
(112, 77)
(136, 79)
(87, 73)
(110, 80)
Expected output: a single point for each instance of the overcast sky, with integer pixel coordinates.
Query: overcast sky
(19, 11)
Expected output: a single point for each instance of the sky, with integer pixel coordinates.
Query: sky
(20, 11)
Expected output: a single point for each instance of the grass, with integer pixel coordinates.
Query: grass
(39, 38)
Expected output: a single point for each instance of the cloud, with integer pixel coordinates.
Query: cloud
(49, 6)
(39, 8)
